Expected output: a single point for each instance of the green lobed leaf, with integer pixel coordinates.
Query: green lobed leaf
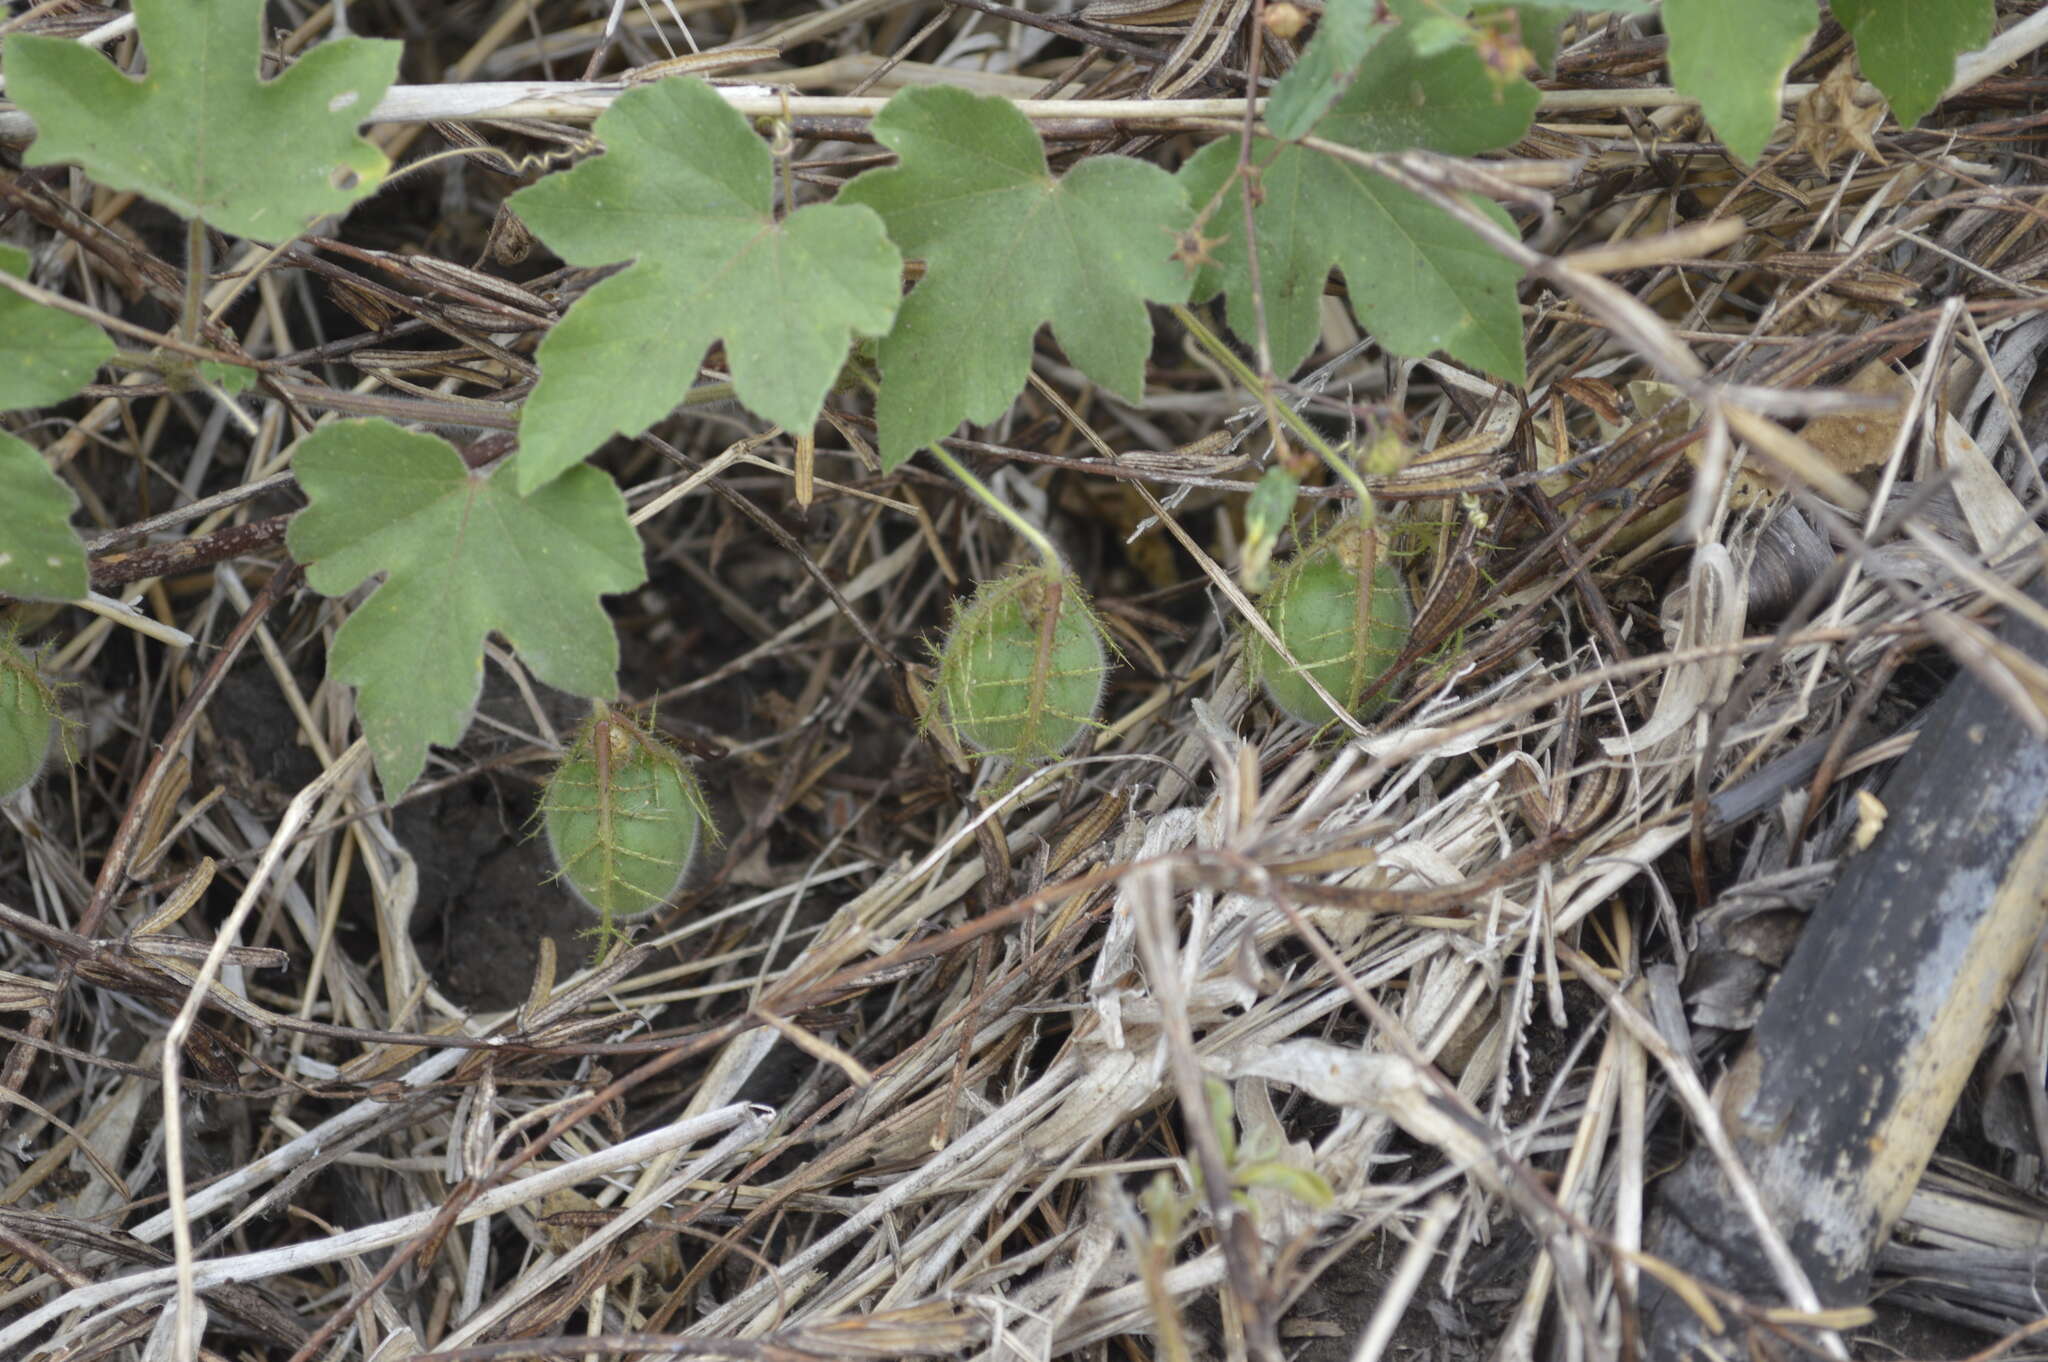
(686, 190)
(1349, 29)
(45, 355)
(1732, 56)
(465, 555)
(1347, 32)
(1908, 48)
(1419, 280)
(1437, 33)
(202, 133)
(1007, 247)
(41, 557)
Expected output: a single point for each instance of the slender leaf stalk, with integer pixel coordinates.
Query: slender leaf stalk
(1031, 533)
(1309, 435)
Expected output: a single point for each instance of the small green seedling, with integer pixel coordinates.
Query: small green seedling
(29, 720)
(1342, 610)
(1022, 670)
(1257, 1163)
(624, 817)
(1266, 515)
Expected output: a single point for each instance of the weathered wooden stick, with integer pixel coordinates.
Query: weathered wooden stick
(1880, 1015)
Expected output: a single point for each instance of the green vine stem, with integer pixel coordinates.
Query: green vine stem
(1242, 372)
(1031, 533)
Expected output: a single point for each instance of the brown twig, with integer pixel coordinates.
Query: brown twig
(113, 570)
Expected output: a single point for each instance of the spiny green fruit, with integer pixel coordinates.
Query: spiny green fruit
(28, 720)
(1344, 637)
(1022, 671)
(623, 816)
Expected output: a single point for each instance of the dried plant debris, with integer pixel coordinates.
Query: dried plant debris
(1050, 992)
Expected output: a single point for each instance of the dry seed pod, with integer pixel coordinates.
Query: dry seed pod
(28, 720)
(624, 817)
(1344, 637)
(1022, 670)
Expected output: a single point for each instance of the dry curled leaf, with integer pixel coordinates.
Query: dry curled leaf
(1857, 442)
(1831, 121)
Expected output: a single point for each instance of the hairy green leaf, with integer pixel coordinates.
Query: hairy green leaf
(686, 190)
(29, 719)
(1732, 56)
(1419, 279)
(45, 355)
(1007, 247)
(202, 133)
(41, 557)
(1908, 48)
(465, 555)
(1267, 513)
